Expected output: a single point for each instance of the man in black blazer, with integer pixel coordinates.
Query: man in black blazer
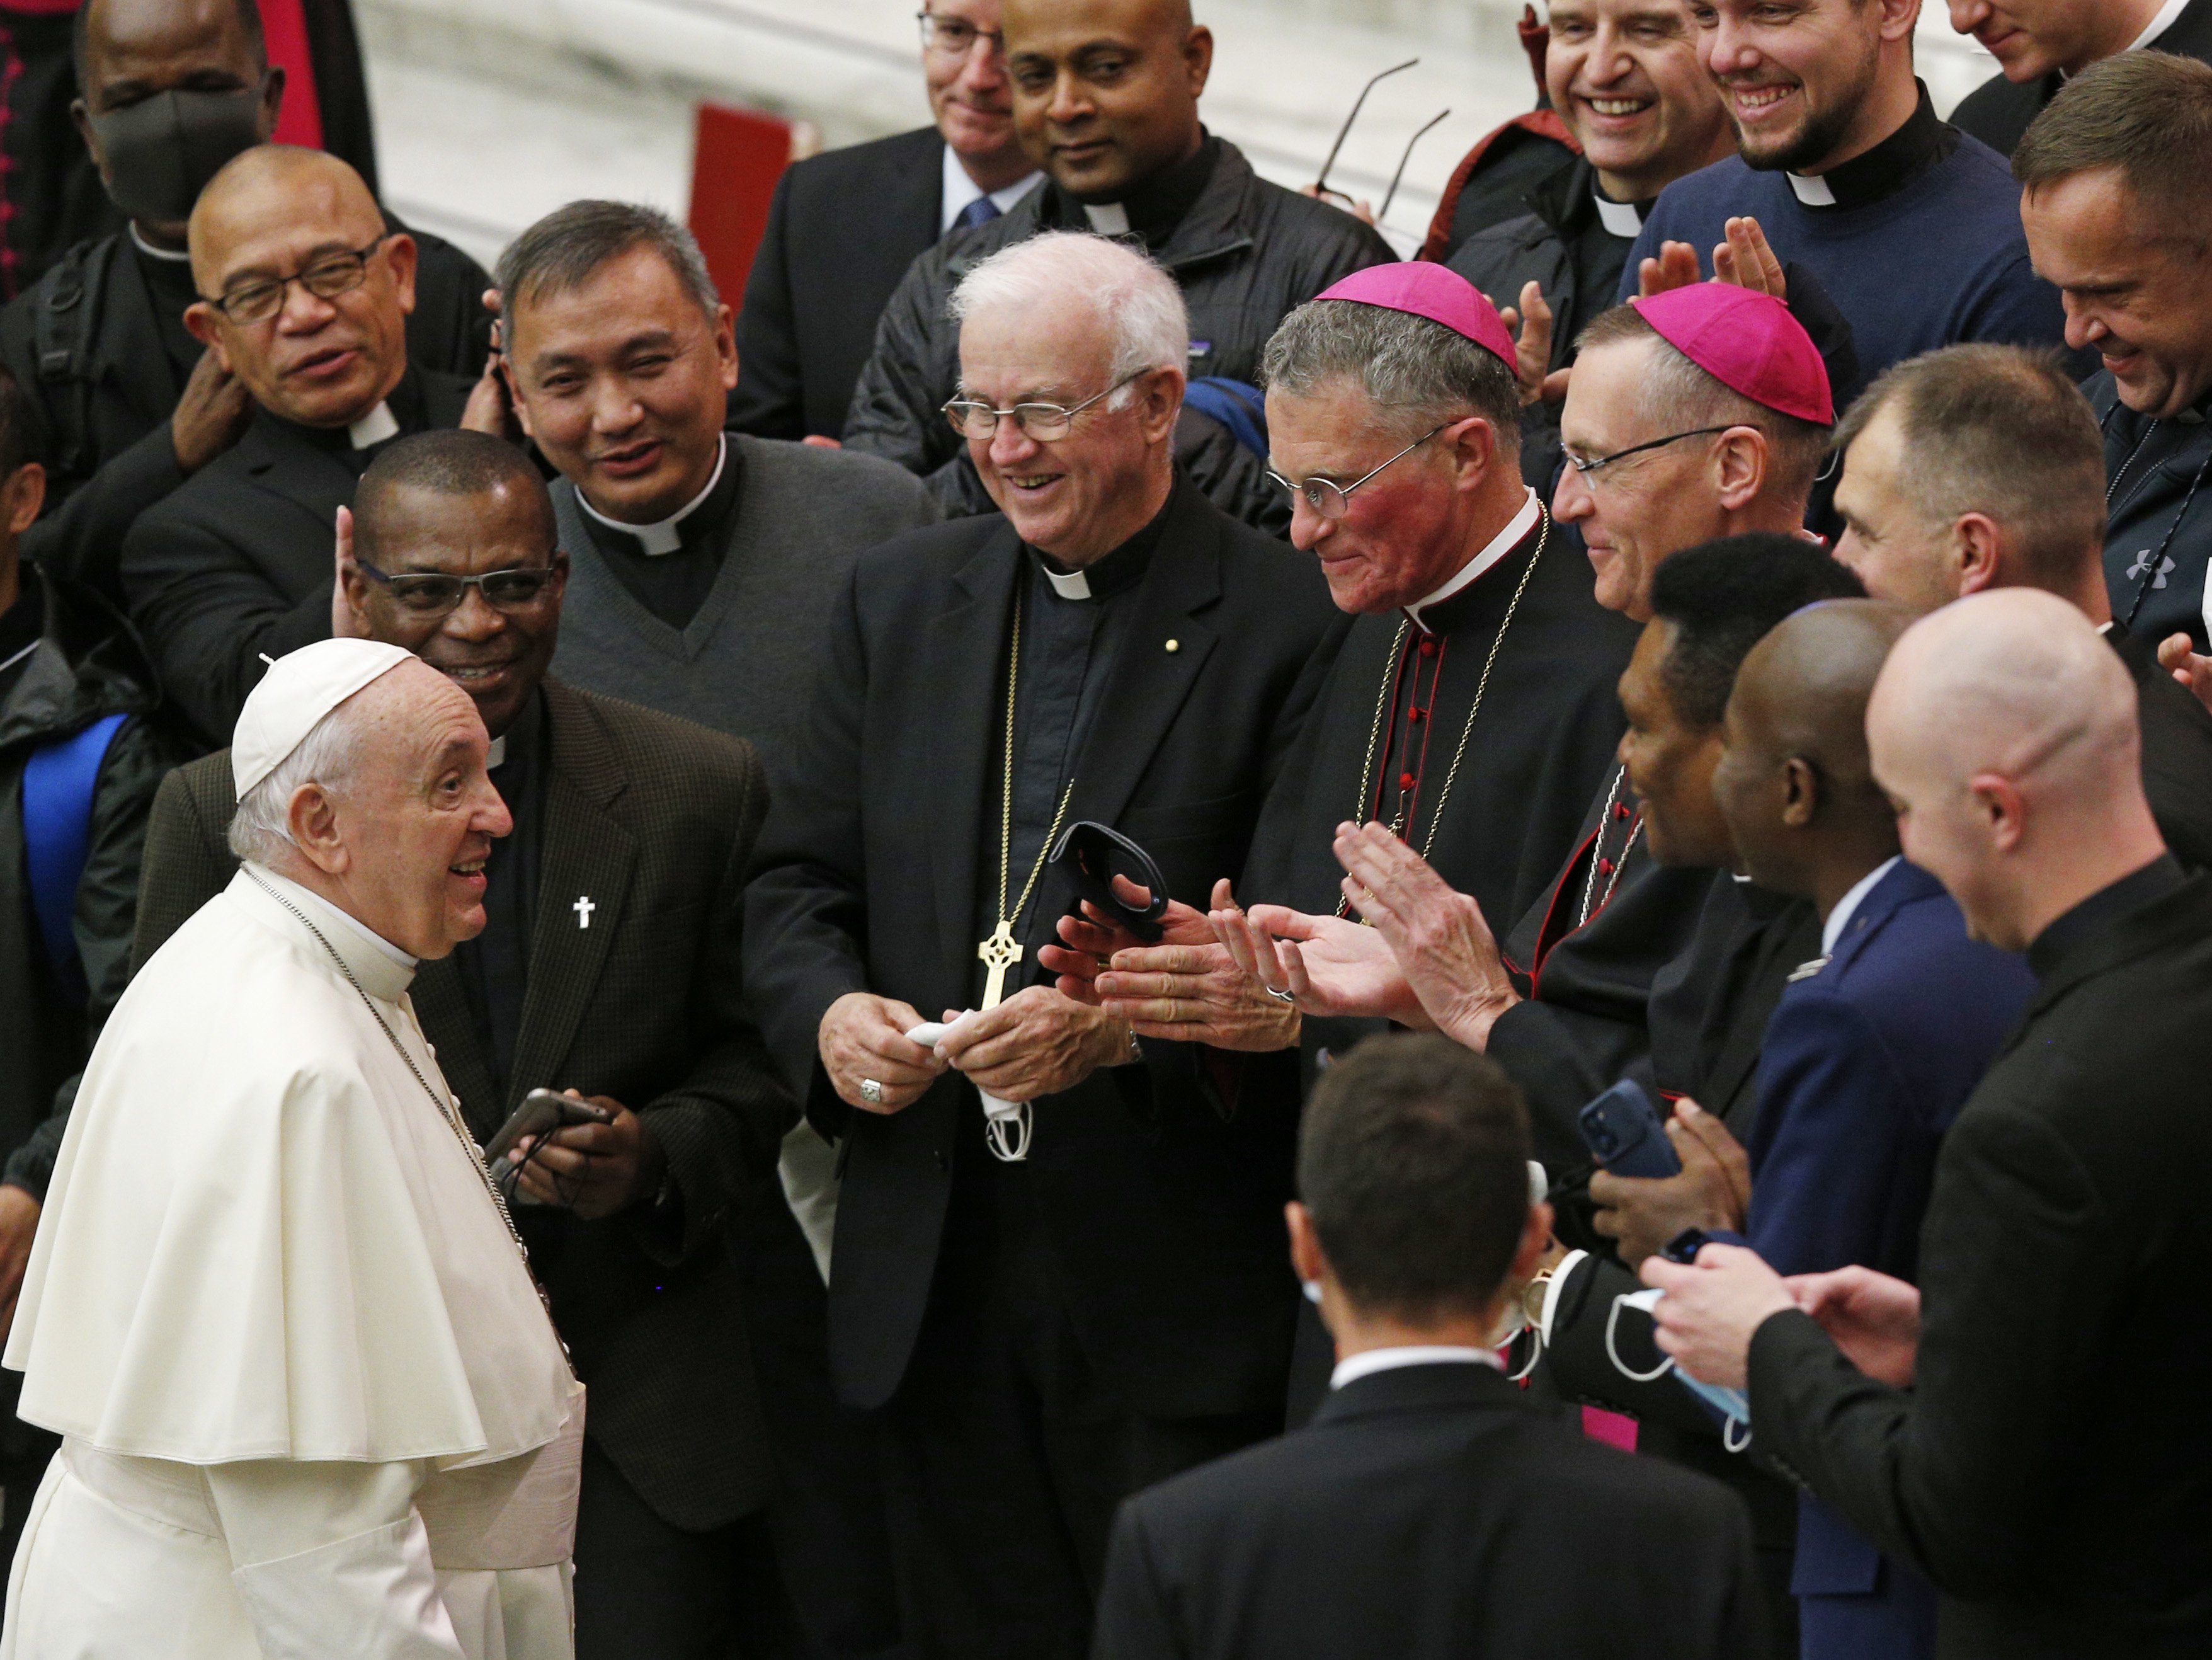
(2040, 43)
(611, 967)
(843, 227)
(1981, 466)
(2029, 1428)
(1431, 1508)
(1040, 1334)
(305, 293)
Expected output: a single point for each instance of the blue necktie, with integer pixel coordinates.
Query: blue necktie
(981, 211)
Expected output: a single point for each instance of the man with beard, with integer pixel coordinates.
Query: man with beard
(132, 403)
(1106, 98)
(2038, 44)
(1912, 228)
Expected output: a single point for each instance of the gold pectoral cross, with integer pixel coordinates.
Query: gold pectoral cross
(1000, 953)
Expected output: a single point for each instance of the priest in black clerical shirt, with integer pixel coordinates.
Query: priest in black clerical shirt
(1125, 156)
(609, 964)
(305, 298)
(1085, 1292)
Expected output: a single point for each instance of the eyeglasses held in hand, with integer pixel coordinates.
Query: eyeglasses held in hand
(1332, 501)
(432, 594)
(330, 275)
(956, 37)
(1588, 468)
(1045, 422)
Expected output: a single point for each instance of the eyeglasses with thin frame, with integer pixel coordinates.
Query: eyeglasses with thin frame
(1586, 468)
(1046, 423)
(956, 37)
(434, 593)
(326, 277)
(1331, 499)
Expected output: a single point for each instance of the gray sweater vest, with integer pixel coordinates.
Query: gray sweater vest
(746, 664)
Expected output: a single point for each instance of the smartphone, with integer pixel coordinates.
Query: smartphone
(1625, 1134)
(541, 1111)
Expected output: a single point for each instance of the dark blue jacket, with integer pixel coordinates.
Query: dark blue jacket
(1865, 1064)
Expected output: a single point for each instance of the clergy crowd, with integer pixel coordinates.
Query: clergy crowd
(844, 973)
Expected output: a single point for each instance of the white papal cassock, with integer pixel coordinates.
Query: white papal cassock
(310, 1402)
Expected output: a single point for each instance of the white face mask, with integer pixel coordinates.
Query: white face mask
(1733, 1405)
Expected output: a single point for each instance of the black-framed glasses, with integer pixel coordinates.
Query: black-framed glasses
(326, 277)
(1046, 423)
(1586, 468)
(1331, 499)
(432, 593)
(956, 37)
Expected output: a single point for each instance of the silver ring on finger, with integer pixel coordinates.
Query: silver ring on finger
(871, 1091)
(1281, 996)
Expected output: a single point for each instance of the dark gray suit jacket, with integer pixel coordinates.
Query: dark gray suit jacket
(1432, 1513)
(655, 818)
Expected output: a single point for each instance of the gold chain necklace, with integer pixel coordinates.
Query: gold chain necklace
(1000, 951)
(1382, 702)
(1590, 898)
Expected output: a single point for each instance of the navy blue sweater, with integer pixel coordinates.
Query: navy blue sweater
(1941, 261)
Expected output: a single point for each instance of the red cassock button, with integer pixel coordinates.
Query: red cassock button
(1605, 867)
(1620, 810)
(1428, 648)
(1405, 781)
(1419, 714)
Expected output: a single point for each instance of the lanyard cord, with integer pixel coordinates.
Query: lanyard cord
(2154, 560)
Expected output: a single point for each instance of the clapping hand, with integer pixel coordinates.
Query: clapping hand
(1327, 965)
(1746, 258)
(1442, 940)
(1089, 941)
(1531, 324)
(1188, 988)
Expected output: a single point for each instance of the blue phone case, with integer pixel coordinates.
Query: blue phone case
(1625, 1134)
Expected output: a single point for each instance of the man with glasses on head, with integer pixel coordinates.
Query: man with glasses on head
(844, 228)
(632, 833)
(1047, 1308)
(305, 294)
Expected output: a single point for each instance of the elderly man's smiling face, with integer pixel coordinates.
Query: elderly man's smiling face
(1080, 496)
(401, 839)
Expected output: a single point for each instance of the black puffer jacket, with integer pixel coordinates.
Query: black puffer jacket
(1245, 254)
(87, 666)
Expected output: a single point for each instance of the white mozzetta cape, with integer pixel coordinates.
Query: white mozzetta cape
(263, 1239)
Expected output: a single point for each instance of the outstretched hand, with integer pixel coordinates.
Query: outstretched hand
(1328, 965)
(1442, 940)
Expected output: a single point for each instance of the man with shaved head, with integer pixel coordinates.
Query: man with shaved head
(2026, 1428)
(133, 405)
(1979, 467)
(1105, 99)
(304, 292)
(1874, 1048)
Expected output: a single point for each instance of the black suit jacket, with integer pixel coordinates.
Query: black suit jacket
(2177, 752)
(1999, 113)
(2050, 1469)
(1165, 1212)
(238, 562)
(654, 819)
(1431, 1513)
(842, 230)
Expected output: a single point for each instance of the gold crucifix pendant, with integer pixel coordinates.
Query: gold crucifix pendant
(1000, 953)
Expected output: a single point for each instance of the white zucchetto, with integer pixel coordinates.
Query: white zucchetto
(301, 687)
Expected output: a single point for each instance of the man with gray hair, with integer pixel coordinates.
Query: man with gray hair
(704, 563)
(1058, 1273)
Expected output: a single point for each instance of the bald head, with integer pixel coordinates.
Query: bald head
(1793, 780)
(2005, 729)
(1106, 91)
(305, 296)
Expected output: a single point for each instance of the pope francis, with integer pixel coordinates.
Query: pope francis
(311, 1403)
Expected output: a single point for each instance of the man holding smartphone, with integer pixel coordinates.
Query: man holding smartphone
(608, 969)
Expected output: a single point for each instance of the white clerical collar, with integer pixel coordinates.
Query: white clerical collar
(1500, 544)
(1107, 218)
(1619, 218)
(663, 535)
(496, 755)
(1366, 1364)
(1812, 191)
(374, 428)
(1073, 586)
(343, 932)
(1847, 907)
(959, 189)
(174, 256)
(2167, 14)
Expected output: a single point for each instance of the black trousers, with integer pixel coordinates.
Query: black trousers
(1004, 1450)
(646, 1590)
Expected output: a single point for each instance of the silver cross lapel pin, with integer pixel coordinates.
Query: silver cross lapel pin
(584, 906)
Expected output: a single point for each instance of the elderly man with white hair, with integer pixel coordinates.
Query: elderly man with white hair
(2027, 1428)
(1057, 1269)
(310, 1400)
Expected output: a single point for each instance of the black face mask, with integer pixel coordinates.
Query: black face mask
(162, 150)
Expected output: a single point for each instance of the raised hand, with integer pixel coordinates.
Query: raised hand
(1676, 267)
(346, 624)
(1441, 939)
(1532, 323)
(1748, 261)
